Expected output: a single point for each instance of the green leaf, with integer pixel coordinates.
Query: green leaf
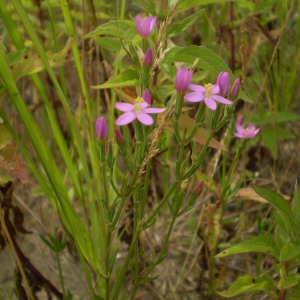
(262, 244)
(279, 203)
(296, 207)
(208, 59)
(289, 251)
(112, 28)
(294, 293)
(186, 4)
(148, 5)
(289, 281)
(184, 24)
(129, 77)
(246, 284)
(279, 117)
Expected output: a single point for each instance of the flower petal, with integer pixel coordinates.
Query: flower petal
(197, 88)
(194, 97)
(221, 99)
(143, 105)
(153, 110)
(210, 103)
(239, 135)
(215, 89)
(251, 127)
(124, 106)
(126, 118)
(145, 119)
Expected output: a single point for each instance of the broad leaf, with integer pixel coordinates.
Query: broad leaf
(289, 281)
(296, 207)
(184, 24)
(247, 284)
(207, 58)
(262, 244)
(279, 203)
(112, 28)
(129, 77)
(289, 251)
(186, 4)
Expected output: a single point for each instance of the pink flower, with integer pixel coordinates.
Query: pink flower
(249, 132)
(148, 58)
(145, 26)
(183, 79)
(223, 82)
(139, 111)
(207, 93)
(101, 128)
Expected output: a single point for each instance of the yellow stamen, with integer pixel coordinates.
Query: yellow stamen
(139, 100)
(209, 89)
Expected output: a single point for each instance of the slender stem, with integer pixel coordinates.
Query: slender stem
(60, 273)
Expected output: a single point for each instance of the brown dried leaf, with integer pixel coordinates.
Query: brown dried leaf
(249, 194)
(11, 163)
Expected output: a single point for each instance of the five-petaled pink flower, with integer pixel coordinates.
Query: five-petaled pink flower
(207, 93)
(248, 132)
(145, 26)
(139, 111)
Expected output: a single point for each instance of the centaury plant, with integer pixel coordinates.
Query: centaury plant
(160, 104)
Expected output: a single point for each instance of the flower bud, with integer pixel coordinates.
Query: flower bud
(223, 82)
(198, 188)
(148, 58)
(235, 88)
(119, 136)
(59, 235)
(183, 79)
(101, 128)
(147, 96)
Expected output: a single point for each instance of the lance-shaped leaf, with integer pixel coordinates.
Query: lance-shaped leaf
(248, 284)
(279, 203)
(261, 244)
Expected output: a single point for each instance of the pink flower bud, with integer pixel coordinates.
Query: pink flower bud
(119, 136)
(145, 26)
(235, 89)
(148, 59)
(101, 128)
(183, 79)
(198, 188)
(223, 82)
(59, 235)
(147, 96)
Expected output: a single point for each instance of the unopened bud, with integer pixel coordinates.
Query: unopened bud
(119, 136)
(147, 96)
(235, 88)
(198, 188)
(101, 128)
(223, 82)
(148, 59)
(59, 235)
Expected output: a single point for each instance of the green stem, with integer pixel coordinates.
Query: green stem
(60, 273)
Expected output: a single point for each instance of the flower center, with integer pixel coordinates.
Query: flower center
(209, 89)
(137, 105)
